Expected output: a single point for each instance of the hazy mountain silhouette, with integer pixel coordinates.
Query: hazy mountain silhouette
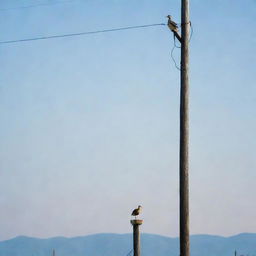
(121, 245)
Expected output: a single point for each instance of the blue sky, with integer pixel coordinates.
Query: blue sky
(89, 125)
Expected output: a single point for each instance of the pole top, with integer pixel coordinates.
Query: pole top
(136, 222)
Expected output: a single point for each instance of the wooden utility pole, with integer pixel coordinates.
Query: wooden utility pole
(184, 122)
(136, 236)
(184, 130)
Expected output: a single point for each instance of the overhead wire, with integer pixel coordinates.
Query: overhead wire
(191, 31)
(81, 33)
(173, 48)
(175, 45)
(35, 5)
(129, 253)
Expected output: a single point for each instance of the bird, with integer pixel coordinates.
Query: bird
(136, 211)
(173, 26)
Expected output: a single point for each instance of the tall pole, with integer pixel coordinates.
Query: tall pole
(136, 236)
(184, 130)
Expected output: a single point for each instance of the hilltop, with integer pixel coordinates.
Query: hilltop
(121, 244)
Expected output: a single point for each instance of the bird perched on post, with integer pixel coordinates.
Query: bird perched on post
(173, 26)
(136, 211)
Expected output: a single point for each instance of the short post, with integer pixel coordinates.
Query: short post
(136, 236)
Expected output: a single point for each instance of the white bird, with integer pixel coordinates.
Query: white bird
(171, 24)
(136, 211)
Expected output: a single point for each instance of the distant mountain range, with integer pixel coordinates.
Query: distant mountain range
(121, 245)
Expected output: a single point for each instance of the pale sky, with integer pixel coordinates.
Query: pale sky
(90, 129)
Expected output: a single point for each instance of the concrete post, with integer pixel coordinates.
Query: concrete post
(136, 236)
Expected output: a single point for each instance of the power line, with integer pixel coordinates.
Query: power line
(175, 63)
(80, 34)
(174, 46)
(129, 253)
(35, 5)
(192, 31)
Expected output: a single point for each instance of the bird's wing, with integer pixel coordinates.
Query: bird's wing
(174, 23)
(135, 212)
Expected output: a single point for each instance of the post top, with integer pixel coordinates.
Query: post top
(136, 222)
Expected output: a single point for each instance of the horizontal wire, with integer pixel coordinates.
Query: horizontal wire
(35, 5)
(80, 34)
